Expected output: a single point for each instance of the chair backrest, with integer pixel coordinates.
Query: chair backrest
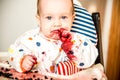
(88, 25)
(96, 20)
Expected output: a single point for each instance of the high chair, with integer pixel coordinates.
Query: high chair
(85, 24)
(96, 20)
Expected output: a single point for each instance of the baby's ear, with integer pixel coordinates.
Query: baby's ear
(38, 19)
(73, 16)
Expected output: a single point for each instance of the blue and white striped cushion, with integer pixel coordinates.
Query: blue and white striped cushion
(83, 23)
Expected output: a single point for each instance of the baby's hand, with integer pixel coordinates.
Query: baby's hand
(28, 62)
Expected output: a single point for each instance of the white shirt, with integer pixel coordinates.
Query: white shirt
(48, 51)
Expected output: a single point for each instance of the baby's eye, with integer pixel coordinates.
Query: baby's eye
(64, 17)
(49, 17)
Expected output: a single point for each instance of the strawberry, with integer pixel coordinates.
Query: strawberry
(67, 43)
(65, 35)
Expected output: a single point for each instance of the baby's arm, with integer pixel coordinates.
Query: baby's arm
(21, 56)
(86, 53)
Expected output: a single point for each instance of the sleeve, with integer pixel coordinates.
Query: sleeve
(18, 50)
(84, 51)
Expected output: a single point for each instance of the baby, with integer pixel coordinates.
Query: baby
(52, 45)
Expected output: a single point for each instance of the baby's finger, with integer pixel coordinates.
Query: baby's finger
(27, 67)
(33, 60)
(30, 63)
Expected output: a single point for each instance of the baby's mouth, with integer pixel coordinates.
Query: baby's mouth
(58, 32)
(55, 34)
(62, 33)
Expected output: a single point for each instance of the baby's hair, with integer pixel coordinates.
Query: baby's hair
(38, 1)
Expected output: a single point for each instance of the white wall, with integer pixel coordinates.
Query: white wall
(16, 16)
(106, 29)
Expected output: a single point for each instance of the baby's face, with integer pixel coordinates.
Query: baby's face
(55, 14)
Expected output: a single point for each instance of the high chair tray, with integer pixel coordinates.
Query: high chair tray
(9, 73)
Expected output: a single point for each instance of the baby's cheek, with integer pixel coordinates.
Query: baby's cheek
(68, 28)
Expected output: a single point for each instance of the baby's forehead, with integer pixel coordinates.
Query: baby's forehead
(42, 4)
(56, 4)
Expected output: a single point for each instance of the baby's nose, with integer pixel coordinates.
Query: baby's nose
(57, 23)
